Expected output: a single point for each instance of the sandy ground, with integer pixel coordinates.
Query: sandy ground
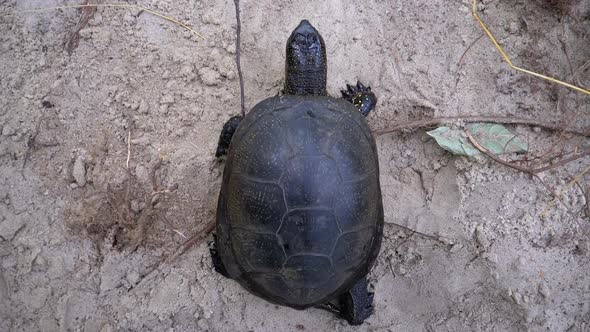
(67, 240)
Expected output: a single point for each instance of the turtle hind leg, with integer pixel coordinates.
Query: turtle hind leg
(361, 97)
(356, 305)
(216, 259)
(229, 128)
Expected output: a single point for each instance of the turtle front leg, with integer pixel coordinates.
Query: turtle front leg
(217, 263)
(361, 97)
(229, 128)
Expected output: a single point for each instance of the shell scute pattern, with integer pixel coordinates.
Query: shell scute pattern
(302, 200)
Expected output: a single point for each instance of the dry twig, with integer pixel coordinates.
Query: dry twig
(74, 38)
(479, 118)
(238, 60)
(534, 171)
(494, 157)
(413, 231)
(460, 63)
(128, 148)
(528, 170)
(566, 188)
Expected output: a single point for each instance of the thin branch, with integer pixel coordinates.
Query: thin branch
(460, 63)
(98, 5)
(192, 241)
(436, 238)
(128, 148)
(533, 172)
(509, 62)
(564, 161)
(153, 177)
(528, 170)
(587, 198)
(477, 118)
(467, 50)
(566, 188)
(171, 227)
(584, 210)
(494, 157)
(556, 196)
(74, 38)
(240, 76)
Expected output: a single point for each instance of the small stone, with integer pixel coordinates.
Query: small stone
(85, 33)
(496, 276)
(49, 323)
(209, 76)
(186, 70)
(144, 107)
(136, 206)
(203, 324)
(402, 270)
(142, 173)
(167, 99)
(132, 277)
(73, 185)
(582, 248)
(214, 55)
(8, 130)
(481, 239)
(106, 328)
(40, 262)
(95, 20)
(213, 18)
(179, 132)
(11, 223)
(544, 290)
(455, 248)
(109, 282)
(231, 48)
(143, 140)
(38, 297)
(517, 297)
(5, 47)
(520, 263)
(493, 258)
(79, 171)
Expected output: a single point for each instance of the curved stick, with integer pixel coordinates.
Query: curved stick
(241, 78)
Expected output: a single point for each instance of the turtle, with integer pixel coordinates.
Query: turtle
(300, 214)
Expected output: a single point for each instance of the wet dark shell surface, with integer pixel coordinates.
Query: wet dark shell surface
(300, 213)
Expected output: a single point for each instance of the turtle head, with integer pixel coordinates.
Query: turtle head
(305, 66)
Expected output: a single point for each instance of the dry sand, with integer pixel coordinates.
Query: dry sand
(66, 258)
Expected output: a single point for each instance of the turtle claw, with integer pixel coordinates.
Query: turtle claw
(361, 97)
(361, 87)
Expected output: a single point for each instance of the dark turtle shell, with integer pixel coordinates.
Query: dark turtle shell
(300, 214)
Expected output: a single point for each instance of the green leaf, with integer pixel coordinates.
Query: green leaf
(494, 137)
(453, 141)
